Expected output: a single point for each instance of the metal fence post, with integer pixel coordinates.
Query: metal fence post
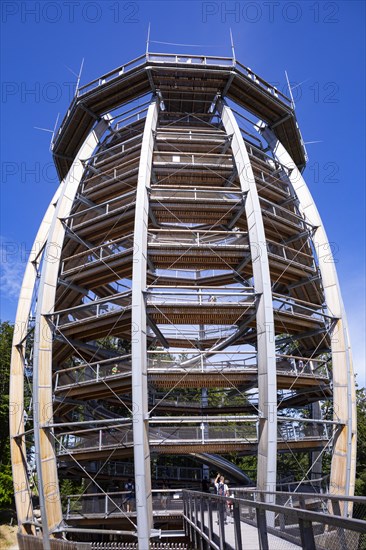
(337, 511)
(195, 534)
(221, 519)
(307, 534)
(237, 526)
(189, 516)
(262, 528)
(202, 523)
(185, 514)
(193, 530)
(210, 520)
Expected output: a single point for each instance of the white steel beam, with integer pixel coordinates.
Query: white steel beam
(343, 469)
(267, 383)
(46, 463)
(138, 331)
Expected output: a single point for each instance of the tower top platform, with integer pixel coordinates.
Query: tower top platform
(186, 83)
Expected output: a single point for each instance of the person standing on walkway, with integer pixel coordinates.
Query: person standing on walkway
(130, 497)
(223, 491)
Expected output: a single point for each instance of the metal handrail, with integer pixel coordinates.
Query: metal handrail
(114, 118)
(99, 248)
(114, 73)
(90, 304)
(264, 84)
(168, 134)
(308, 309)
(269, 519)
(92, 372)
(283, 213)
(198, 296)
(298, 254)
(200, 189)
(120, 144)
(120, 366)
(116, 502)
(118, 124)
(249, 290)
(328, 496)
(169, 431)
(116, 359)
(123, 69)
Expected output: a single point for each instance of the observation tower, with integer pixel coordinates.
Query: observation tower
(180, 311)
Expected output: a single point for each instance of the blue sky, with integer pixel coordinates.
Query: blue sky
(321, 44)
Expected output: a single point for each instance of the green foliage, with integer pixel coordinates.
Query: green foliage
(294, 465)
(246, 463)
(221, 397)
(6, 482)
(70, 487)
(360, 488)
(6, 337)
(114, 344)
(66, 488)
(6, 486)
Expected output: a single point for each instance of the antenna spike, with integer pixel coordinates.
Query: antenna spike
(54, 131)
(232, 45)
(44, 129)
(148, 39)
(79, 76)
(290, 91)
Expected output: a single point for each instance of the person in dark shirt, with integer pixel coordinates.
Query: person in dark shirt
(223, 491)
(130, 497)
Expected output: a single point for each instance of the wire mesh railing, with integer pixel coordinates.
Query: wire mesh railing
(219, 196)
(194, 238)
(96, 371)
(110, 207)
(92, 310)
(204, 434)
(112, 249)
(203, 430)
(299, 308)
(119, 503)
(210, 363)
(296, 257)
(105, 177)
(208, 296)
(192, 160)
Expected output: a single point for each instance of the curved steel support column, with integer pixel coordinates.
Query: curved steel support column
(138, 330)
(49, 497)
(266, 351)
(344, 396)
(22, 491)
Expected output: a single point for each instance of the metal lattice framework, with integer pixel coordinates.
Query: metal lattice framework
(180, 299)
